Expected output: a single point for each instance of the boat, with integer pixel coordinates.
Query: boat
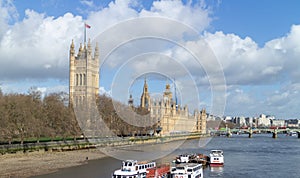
(216, 158)
(293, 134)
(133, 169)
(160, 171)
(192, 158)
(187, 170)
(183, 158)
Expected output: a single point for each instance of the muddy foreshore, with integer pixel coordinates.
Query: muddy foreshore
(37, 163)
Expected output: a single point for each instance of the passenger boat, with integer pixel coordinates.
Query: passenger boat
(159, 171)
(216, 158)
(184, 158)
(133, 169)
(192, 158)
(187, 170)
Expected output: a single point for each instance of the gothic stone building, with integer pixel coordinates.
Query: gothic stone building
(84, 74)
(171, 118)
(84, 87)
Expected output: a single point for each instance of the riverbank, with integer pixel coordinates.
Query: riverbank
(37, 163)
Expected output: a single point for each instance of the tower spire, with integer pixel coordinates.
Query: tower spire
(175, 92)
(96, 54)
(72, 50)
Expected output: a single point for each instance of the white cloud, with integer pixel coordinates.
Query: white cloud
(245, 63)
(87, 3)
(37, 47)
(102, 91)
(8, 13)
(38, 43)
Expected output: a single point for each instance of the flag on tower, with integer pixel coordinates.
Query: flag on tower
(87, 26)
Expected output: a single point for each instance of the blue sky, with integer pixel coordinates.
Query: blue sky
(255, 42)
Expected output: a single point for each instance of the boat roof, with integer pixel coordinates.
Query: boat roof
(138, 162)
(216, 150)
(125, 173)
(188, 165)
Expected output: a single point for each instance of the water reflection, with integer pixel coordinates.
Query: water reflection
(216, 171)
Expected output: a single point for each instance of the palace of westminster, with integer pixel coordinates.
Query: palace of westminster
(84, 86)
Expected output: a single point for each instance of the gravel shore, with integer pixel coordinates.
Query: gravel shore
(37, 163)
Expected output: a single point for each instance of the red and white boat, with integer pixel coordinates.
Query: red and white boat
(135, 169)
(187, 170)
(216, 158)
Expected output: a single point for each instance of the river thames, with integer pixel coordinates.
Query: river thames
(257, 157)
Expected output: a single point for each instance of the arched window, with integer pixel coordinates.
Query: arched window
(76, 79)
(80, 79)
(84, 79)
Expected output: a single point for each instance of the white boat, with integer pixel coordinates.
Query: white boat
(184, 158)
(192, 158)
(292, 133)
(187, 170)
(216, 158)
(133, 169)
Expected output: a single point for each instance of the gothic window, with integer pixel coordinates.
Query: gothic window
(146, 103)
(80, 79)
(76, 79)
(84, 79)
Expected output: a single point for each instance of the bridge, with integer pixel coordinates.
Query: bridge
(266, 130)
(250, 131)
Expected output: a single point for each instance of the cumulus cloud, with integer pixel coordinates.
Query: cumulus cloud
(8, 14)
(37, 46)
(245, 63)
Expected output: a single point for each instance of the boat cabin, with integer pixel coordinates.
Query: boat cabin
(133, 169)
(187, 170)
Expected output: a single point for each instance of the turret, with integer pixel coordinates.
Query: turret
(130, 101)
(89, 48)
(96, 54)
(80, 50)
(72, 49)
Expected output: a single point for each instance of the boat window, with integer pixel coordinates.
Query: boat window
(129, 164)
(190, 170)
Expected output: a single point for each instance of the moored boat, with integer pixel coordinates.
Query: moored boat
(159, 171)
(133, 169)
(216, 158)
(187, 170)
(192, 158)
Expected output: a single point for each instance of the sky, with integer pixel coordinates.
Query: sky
(246, 53)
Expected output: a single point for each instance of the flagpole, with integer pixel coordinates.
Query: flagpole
(84, 33)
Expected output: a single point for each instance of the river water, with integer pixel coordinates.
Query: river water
(257, 157)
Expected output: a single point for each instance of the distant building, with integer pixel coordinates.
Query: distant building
(278, 123)
(249, 121)
(263, 121)
(241, 121)
(293, 123)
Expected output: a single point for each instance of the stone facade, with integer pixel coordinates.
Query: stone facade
(84, 74)
(84, 87)
(171, 118)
